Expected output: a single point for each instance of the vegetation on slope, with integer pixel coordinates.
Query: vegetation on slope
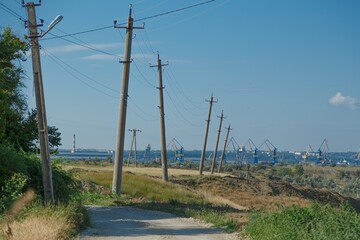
(313, 222)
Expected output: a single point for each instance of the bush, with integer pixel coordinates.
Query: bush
(21, 171)
(285, 171)
(314, 222)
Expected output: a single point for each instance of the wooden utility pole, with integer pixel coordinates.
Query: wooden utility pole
(202, 159)
(224, 149)
(217, 143)
(162, 120)
(133, 142)
(120, 137)
(40, 103)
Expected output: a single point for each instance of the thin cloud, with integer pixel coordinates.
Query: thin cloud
(98, 57)
(77, 48)
(340, 100)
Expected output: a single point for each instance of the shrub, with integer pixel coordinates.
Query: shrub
(314, 222)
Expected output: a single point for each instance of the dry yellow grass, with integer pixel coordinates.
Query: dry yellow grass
(36, 227)
(147, 171)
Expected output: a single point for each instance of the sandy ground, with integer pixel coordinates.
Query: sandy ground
(132, 223)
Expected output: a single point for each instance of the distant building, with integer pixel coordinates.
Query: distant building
(147, 153)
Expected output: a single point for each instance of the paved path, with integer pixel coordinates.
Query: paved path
(132, 223)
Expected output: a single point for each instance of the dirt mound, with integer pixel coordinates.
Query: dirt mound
(256, 193)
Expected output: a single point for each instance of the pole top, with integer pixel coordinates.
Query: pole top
(130, 10)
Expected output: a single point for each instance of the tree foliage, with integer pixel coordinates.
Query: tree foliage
(18, 124)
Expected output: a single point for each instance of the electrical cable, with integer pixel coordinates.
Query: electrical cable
(137, 20)
(87, 46)
(174, 11)
(142, 75)
(11, 12)
(84, 75)
(59, 62)
(178, 111)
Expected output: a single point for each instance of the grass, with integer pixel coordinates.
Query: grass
(36, 221)
(314, 222)
(152, 193)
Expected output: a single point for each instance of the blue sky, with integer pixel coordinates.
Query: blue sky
(287, 70)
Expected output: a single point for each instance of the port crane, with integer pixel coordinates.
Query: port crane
(179, 151)
(272, 150)
(357, 155)
(254, 150)
(323, 149)
(236, 147)
(309, 150)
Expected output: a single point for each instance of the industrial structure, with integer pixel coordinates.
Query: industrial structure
(272, 150)
(178, 150)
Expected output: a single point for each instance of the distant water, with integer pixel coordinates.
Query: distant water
(85, 155)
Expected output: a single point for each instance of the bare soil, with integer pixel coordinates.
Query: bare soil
(262, 194)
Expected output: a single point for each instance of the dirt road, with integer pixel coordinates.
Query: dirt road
(132, 223)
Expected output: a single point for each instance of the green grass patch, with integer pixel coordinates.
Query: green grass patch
(314, 222)
(154, 194)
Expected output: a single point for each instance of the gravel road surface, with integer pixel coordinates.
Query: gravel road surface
(132, 223)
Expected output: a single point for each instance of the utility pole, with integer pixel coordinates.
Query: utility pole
(202, 159)
(133, 142)
(162, 120)
(120, 137)
(40, 102)
(224, 149)
(217, 143)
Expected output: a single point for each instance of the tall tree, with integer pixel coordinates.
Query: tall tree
(18, 126)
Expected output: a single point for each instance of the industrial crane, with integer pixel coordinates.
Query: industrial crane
(179, 152)
(273, 151)
(323, 149)
(254, 150)
(236, 147)
(357, 155)
(308, 152)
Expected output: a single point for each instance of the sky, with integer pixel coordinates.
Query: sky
(284, 70)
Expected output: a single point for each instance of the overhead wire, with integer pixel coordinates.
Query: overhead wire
(178, 111)
(182, 92)
(61, 63)
(11, 12)
(136, 20)
(88, 46)
(174, 11)
(178, 98)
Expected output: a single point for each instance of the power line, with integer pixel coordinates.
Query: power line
(78, 33)
(173, 78)
(178, 111)
(137, 20)
(174, 11)
(88, 46)
(60, 62)
(11, 12)
(142, 75)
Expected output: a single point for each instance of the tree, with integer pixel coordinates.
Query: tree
(18, 125)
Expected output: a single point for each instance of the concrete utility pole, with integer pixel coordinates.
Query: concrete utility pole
(224, 149)
(202, 159)
(217, 143)
(40, 103)
(162, 120)
(133, 142)
(120, 138)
